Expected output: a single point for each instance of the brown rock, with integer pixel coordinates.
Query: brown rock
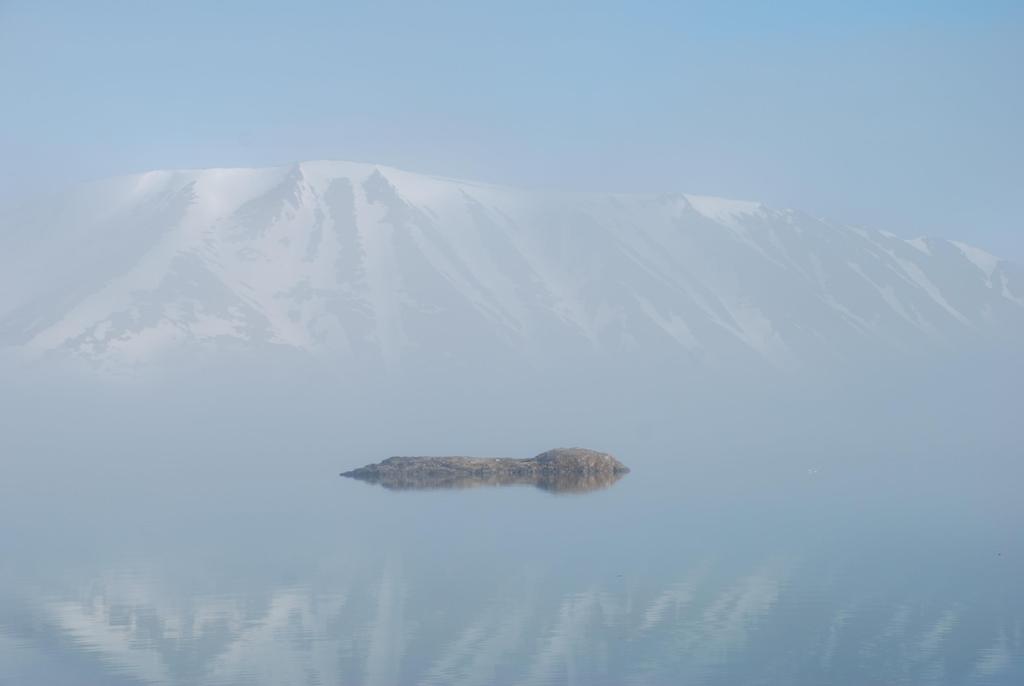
(560, 470)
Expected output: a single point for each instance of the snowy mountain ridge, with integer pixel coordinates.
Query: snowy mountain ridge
(370, 267)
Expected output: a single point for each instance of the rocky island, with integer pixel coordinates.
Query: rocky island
(559, 470)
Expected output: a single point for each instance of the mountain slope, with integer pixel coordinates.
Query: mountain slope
(371, 268)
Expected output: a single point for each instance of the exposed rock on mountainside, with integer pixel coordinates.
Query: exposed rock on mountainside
(561, 470)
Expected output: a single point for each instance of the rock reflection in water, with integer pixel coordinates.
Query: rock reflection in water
(554, 482)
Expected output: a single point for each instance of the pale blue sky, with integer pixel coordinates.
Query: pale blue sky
(903, 116)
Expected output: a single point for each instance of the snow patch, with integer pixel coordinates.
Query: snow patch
(723, 210)
(921, 244)
(979, 258)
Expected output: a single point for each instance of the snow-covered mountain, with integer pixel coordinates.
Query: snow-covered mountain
(371, 268)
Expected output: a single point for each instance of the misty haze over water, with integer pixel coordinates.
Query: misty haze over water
(761, 262)
(822, 430)
(775, 530)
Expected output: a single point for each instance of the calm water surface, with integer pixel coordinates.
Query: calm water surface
(693, 571)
